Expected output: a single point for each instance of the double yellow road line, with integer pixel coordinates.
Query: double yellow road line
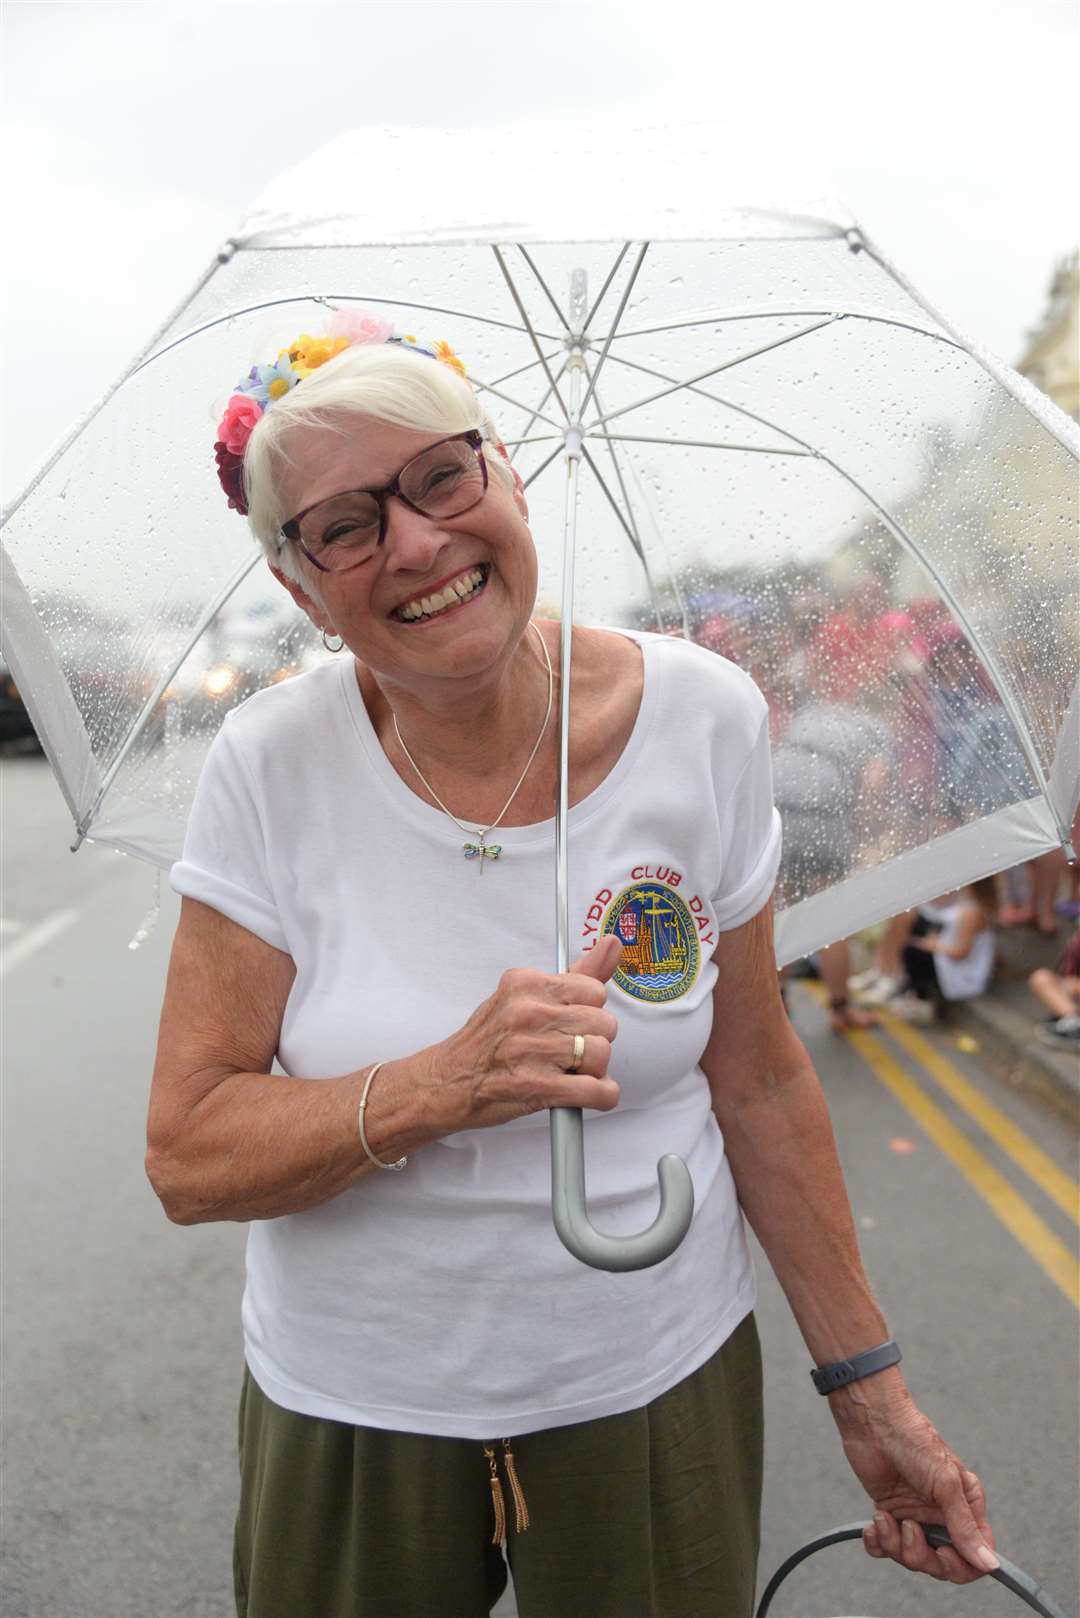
(1033, 1233)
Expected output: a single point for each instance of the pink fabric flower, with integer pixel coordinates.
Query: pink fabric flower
(358, 326)
(242, 413)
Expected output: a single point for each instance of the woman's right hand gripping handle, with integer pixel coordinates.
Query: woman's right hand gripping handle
(229, 1139)
(511, 1057)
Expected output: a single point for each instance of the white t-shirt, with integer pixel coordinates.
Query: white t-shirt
(440, 1299)
(964, 979)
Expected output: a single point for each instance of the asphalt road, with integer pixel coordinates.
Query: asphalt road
(122, 1356)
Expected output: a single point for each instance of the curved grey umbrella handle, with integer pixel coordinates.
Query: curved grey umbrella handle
(571, 1215)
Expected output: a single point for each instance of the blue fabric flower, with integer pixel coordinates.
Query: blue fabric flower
(266, 383)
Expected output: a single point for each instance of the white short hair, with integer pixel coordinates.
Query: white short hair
(381, 381)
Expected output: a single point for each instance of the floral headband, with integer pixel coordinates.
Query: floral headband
(264, 385)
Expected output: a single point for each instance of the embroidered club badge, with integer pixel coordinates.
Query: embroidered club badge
(661, 953)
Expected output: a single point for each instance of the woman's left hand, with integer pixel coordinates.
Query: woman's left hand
(913, 1477)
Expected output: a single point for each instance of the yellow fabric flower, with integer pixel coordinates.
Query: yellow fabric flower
(308, 353)
(323, 349)
(446, 354)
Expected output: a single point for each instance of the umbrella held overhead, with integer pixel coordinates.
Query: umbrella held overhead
(737, 423)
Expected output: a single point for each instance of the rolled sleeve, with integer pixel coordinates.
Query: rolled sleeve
(223, 863)
(750, 840)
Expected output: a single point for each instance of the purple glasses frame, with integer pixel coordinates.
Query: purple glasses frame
(291, 529)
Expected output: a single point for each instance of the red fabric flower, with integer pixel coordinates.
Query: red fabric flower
(230, 470)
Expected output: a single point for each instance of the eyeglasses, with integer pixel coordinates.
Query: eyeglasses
(444, 480)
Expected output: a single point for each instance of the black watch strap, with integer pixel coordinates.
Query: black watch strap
(829, 1377)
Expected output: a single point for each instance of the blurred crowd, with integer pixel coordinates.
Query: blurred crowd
(888, 732)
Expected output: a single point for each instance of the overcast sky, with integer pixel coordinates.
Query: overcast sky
(136, 134)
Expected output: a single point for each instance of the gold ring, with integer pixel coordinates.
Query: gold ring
(579, 1054)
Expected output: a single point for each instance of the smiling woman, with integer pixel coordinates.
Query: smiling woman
(417, 1342)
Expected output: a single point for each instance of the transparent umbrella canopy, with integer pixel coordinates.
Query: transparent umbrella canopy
(737, 423)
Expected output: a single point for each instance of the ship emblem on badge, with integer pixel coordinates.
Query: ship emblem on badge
(661, 953)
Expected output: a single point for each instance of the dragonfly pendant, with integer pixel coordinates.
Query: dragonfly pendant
(479, 851)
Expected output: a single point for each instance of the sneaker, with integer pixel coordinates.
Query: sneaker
(1063, 1033)
(864, 980)
(882, 989)
(911, 1008)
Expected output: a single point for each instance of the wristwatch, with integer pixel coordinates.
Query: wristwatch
(827, 1378)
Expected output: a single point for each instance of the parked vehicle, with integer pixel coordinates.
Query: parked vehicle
(16, 726)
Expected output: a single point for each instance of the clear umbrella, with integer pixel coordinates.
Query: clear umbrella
(769, 441)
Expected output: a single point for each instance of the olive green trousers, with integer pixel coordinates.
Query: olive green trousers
(653, 1513)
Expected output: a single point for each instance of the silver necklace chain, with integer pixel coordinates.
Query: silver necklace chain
(480, 850)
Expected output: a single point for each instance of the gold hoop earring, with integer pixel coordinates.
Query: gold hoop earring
(327, 644)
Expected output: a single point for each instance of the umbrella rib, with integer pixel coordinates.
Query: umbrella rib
(624, 249)
(630, 534)
(600, 295)
(428, 309)
(610, 441)
(325, 299)
(209, 613)
(739, 410)
(551, 299)
(611, 334)
(1032, 398)
(535, 438)
(714, 370)
(635, 540)
(635, 537)
(543, 285)
(532, 477)
(534, 412)
(80, 426)
(723, 316)
(700, 443)
(630, 531)
(636, 543)
(529, 327)
(521, 370)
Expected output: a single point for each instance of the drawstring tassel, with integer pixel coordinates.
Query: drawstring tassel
(499, 1535)
(498, 1501)
(520, 1508)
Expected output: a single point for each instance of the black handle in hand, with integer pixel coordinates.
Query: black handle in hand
(1008, 1574)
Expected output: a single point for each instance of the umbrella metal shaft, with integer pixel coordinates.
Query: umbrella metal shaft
(568, 1204)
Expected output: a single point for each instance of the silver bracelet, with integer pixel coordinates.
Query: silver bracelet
(401, 1162)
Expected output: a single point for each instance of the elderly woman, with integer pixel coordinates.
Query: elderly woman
(431, 1378)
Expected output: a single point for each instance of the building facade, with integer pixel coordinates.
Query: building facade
(1052, 357)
